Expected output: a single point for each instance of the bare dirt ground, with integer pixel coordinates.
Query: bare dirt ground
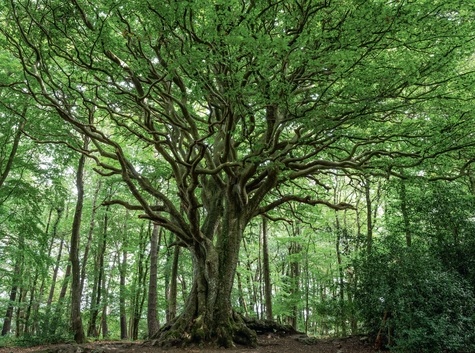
(266, 344)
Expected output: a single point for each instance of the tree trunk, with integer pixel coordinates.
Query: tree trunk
(59, 212)
(20, 315)
(341, 281)
(173, 289)
(266, 270)
(104, 324)
(139, 285)
(31, 303)
(208, 314)
(152, 316)
(16, 284)
(105, 290)
(35, 329)
(369, 214)
(54, 321)
(294, 276)
(76, 320)
(7, 322)
(250, 284)
(122, 313)
(242, 300)
(16, 142)
(96, 297)
(90, 234)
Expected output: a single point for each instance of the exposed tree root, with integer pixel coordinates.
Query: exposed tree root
(268, 326)
(238, 330)
(190, 332)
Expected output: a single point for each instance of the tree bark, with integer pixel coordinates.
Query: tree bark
(369, 215)
(90, 233)
(96, 298)
(16, 142)
(294, 275)
(208, 315)
(20, 317)
(173, 287)
(122, 310)
(59, 211)
(7, 322)
(76, 319)
(139, 285)
(152, 317)
(242, 300)
(104, 324)
(266, 270)
(341, 281)
(105, 290)
(31, 303)
(16, 286)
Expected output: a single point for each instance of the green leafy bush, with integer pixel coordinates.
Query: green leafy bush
(36, 340)
(406, 297)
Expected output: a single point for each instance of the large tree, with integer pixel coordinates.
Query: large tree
(232, 101)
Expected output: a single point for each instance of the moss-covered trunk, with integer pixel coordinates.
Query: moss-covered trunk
(208, 315)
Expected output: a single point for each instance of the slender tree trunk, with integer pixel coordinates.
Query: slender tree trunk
(251, 288)
(242, 300)
(56, 318)
(341, 281)
(16, 142)
(152, 316)
(173, 290)
(369, 214)
(65, 284)
(31, 303)
(20, 313)
(90, 233)
(7, 322)
(35, 329)
(16, 286)
(59, 212)
(99, 279)
(104, 324)
(76, 320)
(266, 271)
(122, 282)
(140, 287)
(105, 290)
(308, 286)
(258, 280)
(294, 275)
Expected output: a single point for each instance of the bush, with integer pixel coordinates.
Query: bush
(405, 296)
(35, 340)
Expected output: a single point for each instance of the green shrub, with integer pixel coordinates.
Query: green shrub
(406, 296)
(36, 340)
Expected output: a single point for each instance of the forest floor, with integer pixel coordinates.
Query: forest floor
(266, 344)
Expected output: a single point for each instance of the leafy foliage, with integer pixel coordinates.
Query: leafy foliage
(410, 299)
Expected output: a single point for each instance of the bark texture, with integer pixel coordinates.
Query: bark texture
(208, 315)
(152, 318)
(76, 320)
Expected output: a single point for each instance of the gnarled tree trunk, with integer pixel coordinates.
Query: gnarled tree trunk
(208, 315)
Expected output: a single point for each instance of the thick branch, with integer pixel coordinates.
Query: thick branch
(306, 200)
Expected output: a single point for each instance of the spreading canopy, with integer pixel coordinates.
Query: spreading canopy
(244, 93)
